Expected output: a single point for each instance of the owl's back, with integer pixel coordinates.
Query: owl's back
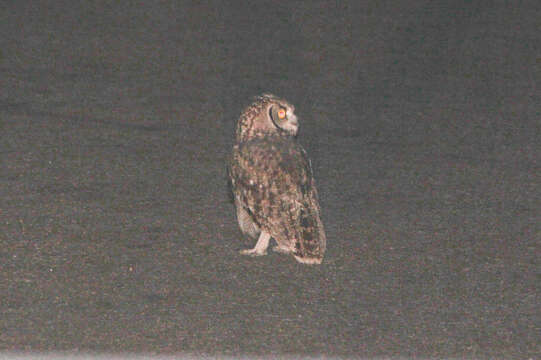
(272, 179)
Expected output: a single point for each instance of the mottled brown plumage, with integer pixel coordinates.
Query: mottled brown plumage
(272, 181)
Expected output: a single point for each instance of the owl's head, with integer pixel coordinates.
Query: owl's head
(267, 115)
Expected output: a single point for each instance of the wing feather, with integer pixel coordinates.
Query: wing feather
(272, 179)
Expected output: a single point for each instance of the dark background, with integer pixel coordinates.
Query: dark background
(422, 119)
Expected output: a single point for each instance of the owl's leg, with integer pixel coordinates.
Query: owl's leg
(246, 224)
(261, 247)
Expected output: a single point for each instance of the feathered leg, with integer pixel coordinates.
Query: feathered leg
(261, 247)
(246, 223)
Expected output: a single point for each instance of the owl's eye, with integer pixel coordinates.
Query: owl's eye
(281, 113)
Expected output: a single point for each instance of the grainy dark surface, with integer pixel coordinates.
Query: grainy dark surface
(422, 122)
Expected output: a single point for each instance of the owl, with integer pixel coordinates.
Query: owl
(272, 183)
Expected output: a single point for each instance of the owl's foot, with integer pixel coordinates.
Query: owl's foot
(281, 249)
(308, 260)
(260, 248)
(253, 252)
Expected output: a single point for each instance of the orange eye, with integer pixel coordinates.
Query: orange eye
(281, 113)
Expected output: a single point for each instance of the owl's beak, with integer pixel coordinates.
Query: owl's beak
(293, 123)
(292, 118)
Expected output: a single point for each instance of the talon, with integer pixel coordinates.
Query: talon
(281, 249)
(253, 252)
(260, 248)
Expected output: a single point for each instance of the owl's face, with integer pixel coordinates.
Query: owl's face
(268, 115)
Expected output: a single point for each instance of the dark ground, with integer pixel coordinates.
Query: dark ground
(422, 120)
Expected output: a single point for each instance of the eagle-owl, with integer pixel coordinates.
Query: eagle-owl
(272, 182)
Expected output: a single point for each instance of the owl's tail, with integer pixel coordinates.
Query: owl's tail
(311, 241)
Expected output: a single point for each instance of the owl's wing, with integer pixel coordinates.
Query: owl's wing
(311, 240)
(230, 194)
(238, 176)
(273, 179)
